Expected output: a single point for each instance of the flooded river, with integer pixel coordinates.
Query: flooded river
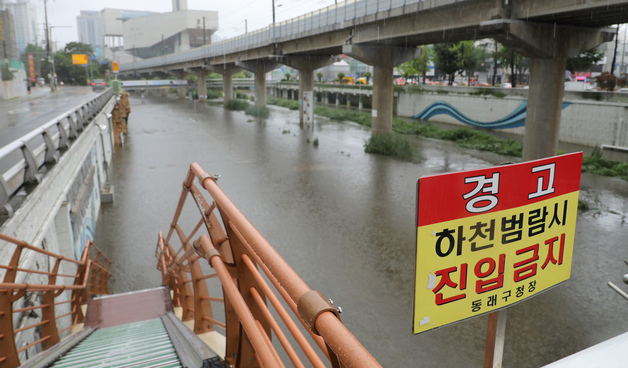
(345, 221)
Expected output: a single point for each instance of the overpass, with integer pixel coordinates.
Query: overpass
(385, 33)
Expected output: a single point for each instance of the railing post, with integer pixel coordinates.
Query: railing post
(7, 343)
(48, 311)
(31, 164)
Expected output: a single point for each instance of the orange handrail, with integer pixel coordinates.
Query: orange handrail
(92, 277)
(237, 252)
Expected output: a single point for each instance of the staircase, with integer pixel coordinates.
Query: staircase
(136, 329)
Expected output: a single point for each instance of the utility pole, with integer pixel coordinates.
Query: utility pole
(204, 38)
(246, 28)
(51, 63)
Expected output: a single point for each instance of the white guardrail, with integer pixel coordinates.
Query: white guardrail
(21, 159)
(317, 22)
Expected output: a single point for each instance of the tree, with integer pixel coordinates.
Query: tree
(407, 69)
(584, 61)
(423, 61)
(72, 73)
(340, 76)
(319, 75)
(606, 81)
(39, 55)
(287, 77)
(469, 57)
(368, 76)
(446, 60)
(515, 61)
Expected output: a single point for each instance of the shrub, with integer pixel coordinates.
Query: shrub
(391, 145)
(258, 111)
(213, 94)
(290, 104)
(237, 105)
(241, 96)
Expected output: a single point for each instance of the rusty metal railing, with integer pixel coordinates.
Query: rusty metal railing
(237, 251)
(91, 277)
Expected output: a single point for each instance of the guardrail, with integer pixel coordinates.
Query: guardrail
(235, 249)
(317, 22)
(91, 278)
(26, 155)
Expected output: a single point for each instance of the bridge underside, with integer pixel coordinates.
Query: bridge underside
(546, 31)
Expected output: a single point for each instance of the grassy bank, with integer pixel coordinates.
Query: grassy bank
(464, 137)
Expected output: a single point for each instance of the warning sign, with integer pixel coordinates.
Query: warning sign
(487, 239)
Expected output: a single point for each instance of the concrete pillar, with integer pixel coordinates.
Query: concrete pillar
(326, 98)
(165, 91)
(227, 88)
(337, 99)
(306, 66)
(181, 93)
(360, 105)
(202, 84)
(383, 59)
(548, 46)
(260, 68)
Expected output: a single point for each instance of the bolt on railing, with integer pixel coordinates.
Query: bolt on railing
(237, 252)
(91, 277)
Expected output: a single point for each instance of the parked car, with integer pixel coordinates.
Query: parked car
(506, 85)
(98, 84)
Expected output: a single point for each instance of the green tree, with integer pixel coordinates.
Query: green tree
(423, 61)
(39, 59)
(340, 76)
(68, 72)
(470, 57)
(407, 69)
(513, 61)
(584, 61)
(319, 75)
(368, 76)
(446, 60)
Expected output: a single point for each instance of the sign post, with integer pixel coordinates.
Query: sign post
(490, 238)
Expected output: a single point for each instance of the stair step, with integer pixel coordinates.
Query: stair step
(137, 345)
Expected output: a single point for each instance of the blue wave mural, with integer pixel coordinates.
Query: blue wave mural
(515, 119)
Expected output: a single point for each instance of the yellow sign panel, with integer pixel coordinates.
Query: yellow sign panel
(115, 66)
(80, 59)
(487, 239)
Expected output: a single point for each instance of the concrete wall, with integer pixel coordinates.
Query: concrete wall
(15, 87)
(589, 123)
(59, 215)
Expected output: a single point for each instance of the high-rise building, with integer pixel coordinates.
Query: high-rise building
(25, 18)
(8, 46)
(89, 27)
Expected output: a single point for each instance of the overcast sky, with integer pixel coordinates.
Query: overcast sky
(231, 13)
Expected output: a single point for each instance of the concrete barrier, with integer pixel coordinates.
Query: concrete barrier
(589, 123)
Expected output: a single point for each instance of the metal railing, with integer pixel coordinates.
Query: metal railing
(333, 17)
(23, 157)
(91, 277)
(237, 252)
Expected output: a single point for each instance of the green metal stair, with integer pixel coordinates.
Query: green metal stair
(138, 344)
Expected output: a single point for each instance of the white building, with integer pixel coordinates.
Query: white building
(166, 33)
(25, 18)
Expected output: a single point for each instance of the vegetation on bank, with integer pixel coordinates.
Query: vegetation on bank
(237, 105)
(465, 137)
(258, 111)
(391, 144)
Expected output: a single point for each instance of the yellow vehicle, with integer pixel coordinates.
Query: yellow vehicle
(347, 80)
(360, 81)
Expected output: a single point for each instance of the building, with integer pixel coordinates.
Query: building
(8, 40)
(25, 18)
(169, 32)
(89, 29)
(126, 35)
